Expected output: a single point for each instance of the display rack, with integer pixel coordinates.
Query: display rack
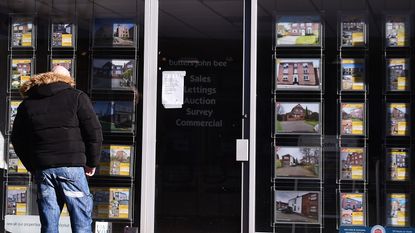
(298, 129)
(398, 109)
(352, 133)
(113, 56)
(61, 42)
(22, 41)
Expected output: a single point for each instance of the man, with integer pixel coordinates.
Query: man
(58, 138)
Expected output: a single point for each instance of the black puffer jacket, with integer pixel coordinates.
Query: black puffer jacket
(56, 125)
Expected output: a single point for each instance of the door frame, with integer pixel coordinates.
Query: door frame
(148, 177)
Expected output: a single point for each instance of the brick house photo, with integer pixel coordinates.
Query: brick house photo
(351, 158)
(298, 73)
(398, 119)
(297, 206)
(297, 117)
(352, 118)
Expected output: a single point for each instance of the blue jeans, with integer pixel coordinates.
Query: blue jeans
(57, 186)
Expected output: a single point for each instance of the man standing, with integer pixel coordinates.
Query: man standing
(57, 136)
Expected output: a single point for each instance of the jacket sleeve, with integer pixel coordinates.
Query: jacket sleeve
(91, 130)
(20, 138)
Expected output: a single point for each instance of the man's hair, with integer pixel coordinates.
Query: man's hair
(61, 70)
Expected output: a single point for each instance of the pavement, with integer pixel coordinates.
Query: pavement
(296, 126)
(287, 40)
(282, 217)
(295, 171)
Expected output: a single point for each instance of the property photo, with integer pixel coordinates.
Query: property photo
(62, 35)
(297, 207)
(113, 74)
(119, 203)
(398, 114)
(352, 163)
(21, 71)
(352, 75)
(297, 162)
(398, 159)
(298, 74)
(17, 203)
(22, 29)
(114, 33)
(297, 118)
(397, 215)
(352, 119)
(395, 31)
(298, 31)
(397, 74)
(13, 105)
(353, 31)
(14, 163)
(115, 160)
(352, 209)
(115, 116)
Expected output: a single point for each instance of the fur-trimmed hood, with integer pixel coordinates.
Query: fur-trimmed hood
(43, 79)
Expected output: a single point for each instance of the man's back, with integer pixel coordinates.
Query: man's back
(58, 124)
(57, 136)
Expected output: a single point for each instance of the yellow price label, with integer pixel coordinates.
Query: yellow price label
(357, 127)
(357, 38)
(401, 83)
(358, 86)
(401, 173)
(357, 218)
(357, 172)
(27, 39)
(21, 209)
(401, 128)
(67, 40)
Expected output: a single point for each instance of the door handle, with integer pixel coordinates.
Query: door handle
(242, 150)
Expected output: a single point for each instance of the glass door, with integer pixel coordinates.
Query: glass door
(198, 181)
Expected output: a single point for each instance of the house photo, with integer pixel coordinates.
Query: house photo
(298, 31)
(353, 31)
(352, 118)
(297, 162)
(115, 116)
(395, 31)
(123, 34)
(22, 32)
(398, 119)
(20, 73)
(113, 74)
(397, 214)
(352, 75)
(297, 117)
(62, 35)
(397, 74)
(297, 207)
(114, 33)
(398, 163)
(352, 212)
(300, 74)
(352, 162)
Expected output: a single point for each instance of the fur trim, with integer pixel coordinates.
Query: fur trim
(45, 78)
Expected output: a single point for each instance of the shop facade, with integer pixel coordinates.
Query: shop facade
(227, 116)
